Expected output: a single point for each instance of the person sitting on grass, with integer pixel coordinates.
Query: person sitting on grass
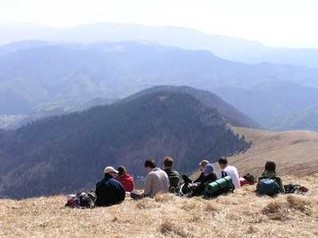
(202, 165)
(125, 179)
(196, 187)
(270, 173)
(173, 175)
(156, 181)
(209, 177)
(109, 191)
(229, 170)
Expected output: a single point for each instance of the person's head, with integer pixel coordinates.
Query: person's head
(209, 169)
(270, 166)
(150, 164)
(222, 162)
(167, 162)
(121, 170)
(202, 164)
(110, 171)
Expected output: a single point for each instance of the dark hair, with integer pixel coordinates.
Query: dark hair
(121, 170)
(222, 160)
(168, 161)
(150, 163)
(270, 166)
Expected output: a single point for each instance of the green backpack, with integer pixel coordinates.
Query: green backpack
(220, 186)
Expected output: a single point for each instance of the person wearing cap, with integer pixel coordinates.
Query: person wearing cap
(156, 181)
(109, 191)
(125, 179)
(208, 177)
(202, 165)
(173, 175)
(229, 170)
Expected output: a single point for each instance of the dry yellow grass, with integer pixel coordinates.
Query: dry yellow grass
(241, 214)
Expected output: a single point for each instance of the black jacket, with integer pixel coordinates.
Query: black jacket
(173, 176)
(109, 192)
(204, 181)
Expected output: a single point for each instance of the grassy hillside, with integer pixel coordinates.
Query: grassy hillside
(295, 152)
(233, 215)
(241, 214)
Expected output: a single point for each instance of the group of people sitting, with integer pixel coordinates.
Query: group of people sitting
(118, 183)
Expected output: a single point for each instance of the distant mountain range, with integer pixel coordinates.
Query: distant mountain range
(276, 105)
(230, 48)
(45, 78)
(67, 153)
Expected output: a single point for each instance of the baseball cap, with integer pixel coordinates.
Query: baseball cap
(110, 169)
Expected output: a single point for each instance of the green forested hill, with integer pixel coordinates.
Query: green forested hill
(68, 153)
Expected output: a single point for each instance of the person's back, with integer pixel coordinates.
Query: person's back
(174, 178)
(173, 175)
(156, 181)
(125, 179)
(229, 170)
(109, 191)
(270, 173)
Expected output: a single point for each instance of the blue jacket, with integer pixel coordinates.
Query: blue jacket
(109, 192)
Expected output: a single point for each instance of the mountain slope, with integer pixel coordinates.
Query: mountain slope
(230, 114)
(66, 153)
(295, 152)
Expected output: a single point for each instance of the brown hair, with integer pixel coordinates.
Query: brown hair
(150, 163)
(223, 160)
(168, 162)
(270, 166)
(121, 170)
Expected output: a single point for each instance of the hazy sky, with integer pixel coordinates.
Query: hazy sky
(274, 22)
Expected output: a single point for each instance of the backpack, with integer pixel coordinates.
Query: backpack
(81, 200)
(86, 200)
(249, 178)
(268, 187)
(220, 186)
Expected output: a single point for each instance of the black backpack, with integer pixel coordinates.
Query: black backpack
(86, 200)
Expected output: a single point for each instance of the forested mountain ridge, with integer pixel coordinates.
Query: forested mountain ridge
(67, 153)
(230, 114)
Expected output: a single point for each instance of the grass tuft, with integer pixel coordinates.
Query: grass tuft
(163, 198)
(275, 210)
(172, 229)
(300, 204)
(146, 203)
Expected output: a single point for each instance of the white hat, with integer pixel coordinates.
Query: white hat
(204, 162)
(110, 169)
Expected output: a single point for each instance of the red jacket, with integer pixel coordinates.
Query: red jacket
(127, 181)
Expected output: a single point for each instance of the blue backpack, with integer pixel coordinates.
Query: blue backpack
(268, 187)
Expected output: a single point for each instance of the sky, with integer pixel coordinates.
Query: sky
(287, 23)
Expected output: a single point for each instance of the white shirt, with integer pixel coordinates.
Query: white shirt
(232, 172)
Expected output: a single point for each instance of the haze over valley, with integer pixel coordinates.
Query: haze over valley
(41, 78)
